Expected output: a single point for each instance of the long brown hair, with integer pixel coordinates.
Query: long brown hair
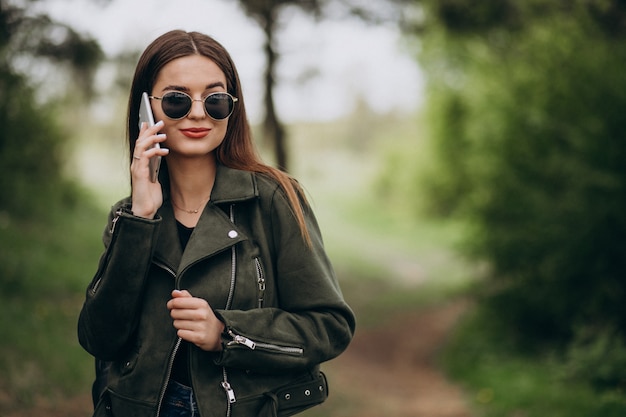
(237, 149)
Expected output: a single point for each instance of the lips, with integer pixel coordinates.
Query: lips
(195, 132)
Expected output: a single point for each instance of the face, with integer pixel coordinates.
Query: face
(197, 134)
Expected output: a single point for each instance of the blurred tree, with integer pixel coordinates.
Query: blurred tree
(267, 14)
(527, 100)
(31, 140)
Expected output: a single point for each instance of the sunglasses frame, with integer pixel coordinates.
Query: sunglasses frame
(203, 100)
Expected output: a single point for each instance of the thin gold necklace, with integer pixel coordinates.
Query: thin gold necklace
(189, 211)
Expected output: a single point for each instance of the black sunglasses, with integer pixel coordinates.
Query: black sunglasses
(176, 104)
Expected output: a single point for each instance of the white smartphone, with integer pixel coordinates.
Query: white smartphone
(145, 115)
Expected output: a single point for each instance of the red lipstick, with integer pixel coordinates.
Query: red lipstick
(195, 132)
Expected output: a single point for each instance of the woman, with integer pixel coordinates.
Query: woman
(214, 294)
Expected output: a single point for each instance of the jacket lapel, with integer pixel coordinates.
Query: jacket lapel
(214, 231)
(213, 234)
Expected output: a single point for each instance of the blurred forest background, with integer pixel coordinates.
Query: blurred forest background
(505, 194)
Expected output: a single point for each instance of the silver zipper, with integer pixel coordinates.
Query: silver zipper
(230, 393)
(172, 355)
(94, 287)
(118, 214)
(165, 268)
(169, 374)
(260, 282)
(233, 268)
(252, 345)
(241, 340)
(233, 277)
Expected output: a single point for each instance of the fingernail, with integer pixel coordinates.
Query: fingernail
(159, 123)
(161, 135)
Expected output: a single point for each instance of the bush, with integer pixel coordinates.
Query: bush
(599, 357)
(528, 125)
(503, 380)
(31, 145)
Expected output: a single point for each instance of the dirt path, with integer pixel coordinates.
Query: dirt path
(392, 370)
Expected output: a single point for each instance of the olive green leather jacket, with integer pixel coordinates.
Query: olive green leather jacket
(279, 299)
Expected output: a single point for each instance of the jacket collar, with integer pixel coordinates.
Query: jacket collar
(233, 185)
(214, 231)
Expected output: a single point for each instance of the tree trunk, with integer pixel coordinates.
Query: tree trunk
(272, 127)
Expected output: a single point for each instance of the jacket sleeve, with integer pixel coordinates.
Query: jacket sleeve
(311, 324)
(113, 300)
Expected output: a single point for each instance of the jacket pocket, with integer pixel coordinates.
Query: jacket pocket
(240, 340)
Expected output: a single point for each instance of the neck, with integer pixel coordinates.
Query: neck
(191, 181)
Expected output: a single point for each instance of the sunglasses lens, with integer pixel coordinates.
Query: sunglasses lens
(219, 105)
(176, 105)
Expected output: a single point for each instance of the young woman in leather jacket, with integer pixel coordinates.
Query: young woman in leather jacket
(214, 295)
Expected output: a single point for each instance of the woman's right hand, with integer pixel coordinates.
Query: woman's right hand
(147, 196)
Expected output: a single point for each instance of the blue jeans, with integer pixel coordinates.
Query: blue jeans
(179, 401)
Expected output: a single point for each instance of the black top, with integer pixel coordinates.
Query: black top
(184, 233)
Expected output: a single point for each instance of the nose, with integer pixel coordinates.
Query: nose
(197, 109)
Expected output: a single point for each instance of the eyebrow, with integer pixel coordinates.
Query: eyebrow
(185, 89)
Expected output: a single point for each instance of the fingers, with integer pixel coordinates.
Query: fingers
(184, 306)
(190, 309)
(176, 295)
(149, 137)
(195, 321)
(150, 130)
(180, 293)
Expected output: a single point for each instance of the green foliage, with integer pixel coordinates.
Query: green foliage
(30, 160)
(45, 265)
(597, 357)
(502, 381)
(528, 124)
(44, 220)
(32, 141)
(468, 18)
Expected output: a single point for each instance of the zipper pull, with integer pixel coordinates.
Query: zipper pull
(261, 294)
(115, 219)
(260, 283)
(230, 393)
(241, 340)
